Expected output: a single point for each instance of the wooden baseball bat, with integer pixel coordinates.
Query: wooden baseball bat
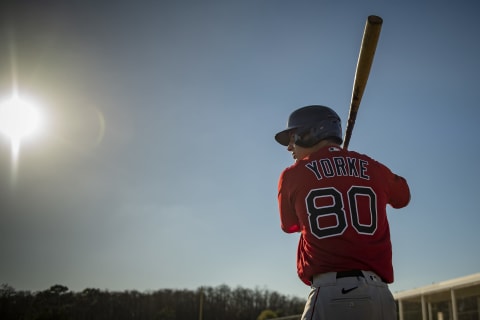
(371, 34)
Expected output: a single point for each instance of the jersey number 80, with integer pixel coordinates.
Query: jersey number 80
(337, 209)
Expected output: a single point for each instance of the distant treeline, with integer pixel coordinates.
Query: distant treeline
(206, 303)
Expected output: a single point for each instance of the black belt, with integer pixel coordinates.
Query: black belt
(350, 273)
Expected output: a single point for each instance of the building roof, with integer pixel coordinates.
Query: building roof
(457, 283)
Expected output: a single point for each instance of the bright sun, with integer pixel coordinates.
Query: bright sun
(19, 118)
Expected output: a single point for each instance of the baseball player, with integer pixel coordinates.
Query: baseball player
(337, 200)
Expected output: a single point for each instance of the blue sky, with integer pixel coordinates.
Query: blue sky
(157, 167)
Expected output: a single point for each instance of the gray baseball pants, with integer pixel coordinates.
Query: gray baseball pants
(340, 297)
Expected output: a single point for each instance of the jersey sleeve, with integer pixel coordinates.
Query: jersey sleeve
(399, 191)
(288, 218)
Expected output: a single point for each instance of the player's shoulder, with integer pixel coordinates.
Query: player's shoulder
(288, 170)
(364, 156)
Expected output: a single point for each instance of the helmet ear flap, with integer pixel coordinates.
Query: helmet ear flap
(307, 138)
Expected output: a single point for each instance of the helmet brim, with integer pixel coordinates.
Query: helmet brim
(283, 137)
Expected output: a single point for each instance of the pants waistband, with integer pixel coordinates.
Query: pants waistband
(350, 273)
(331, 277)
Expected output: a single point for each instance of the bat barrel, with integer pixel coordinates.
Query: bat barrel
(374, 19)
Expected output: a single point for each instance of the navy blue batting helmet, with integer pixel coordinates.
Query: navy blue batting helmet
(310, 125)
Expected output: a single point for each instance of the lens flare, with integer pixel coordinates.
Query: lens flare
(19, 119)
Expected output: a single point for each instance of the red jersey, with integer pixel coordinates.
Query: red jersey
(337, 199)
